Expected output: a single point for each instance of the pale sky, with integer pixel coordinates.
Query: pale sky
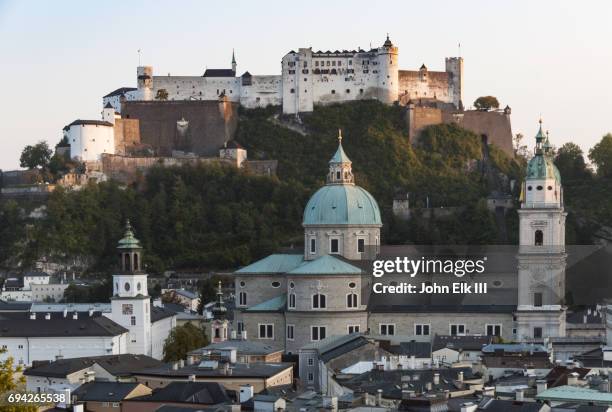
(548, 58)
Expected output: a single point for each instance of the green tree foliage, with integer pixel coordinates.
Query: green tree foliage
(162, 94)
(36, 156)
(10, 380)
(570, 162)
(98, 292)
(12, 234)
(486, 103)
(183, 339)
(601, 156)
(208, 292)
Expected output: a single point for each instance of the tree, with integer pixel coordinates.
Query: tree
(162, 94)
(486, 103)
(9, 381)
(570, 161)
(182, 340)
(601, 156)
(208, 292)
(36, 156)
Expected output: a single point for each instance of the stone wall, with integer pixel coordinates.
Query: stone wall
(127, 135)
(198, 126)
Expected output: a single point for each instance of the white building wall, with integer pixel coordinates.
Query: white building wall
(115, 100)
(16, 295)
(24, 350)
(160, 331)
(88, 141)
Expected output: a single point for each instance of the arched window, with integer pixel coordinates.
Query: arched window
(135, 261)
(126, 261)
(351, 300)
(319, 301)
(539, 238)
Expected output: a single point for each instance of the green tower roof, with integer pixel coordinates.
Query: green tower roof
(340, 156)
(128, 241)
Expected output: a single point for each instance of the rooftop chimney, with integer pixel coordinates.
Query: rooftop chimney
(460, 376)
(469, 407)
(65, 311)
(246, 393)
(181, 363)
(75, 315)
(243, 334)
(436, 378)
(33, 315)
(572, 379)
(519, 395)
(192, 378)
(379, 397)
(48, 316)
(541, 386)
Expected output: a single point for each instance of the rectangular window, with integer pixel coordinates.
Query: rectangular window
(334, 246)
(242, 299)
(292, 301)
(457, 329)
(360, 245)
(421, 329)
(353, 329)
(351, 300)
(494, 330)
(310, 361)
(240, 326)
(537, 332)
(266, 331)
(310, 377)
(313, 245)
(387, 329)
(133, 320)
(537, 299)
(319, 301)
(318, 333)
(290, 329)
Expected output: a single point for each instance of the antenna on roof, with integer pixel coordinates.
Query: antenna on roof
(459, 49)
(139, 56)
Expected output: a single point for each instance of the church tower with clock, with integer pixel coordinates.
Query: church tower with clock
(542, 258)
(131, 307)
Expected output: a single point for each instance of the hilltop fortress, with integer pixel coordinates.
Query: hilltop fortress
(307, 78)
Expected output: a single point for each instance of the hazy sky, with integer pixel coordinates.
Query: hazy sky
(549, 58)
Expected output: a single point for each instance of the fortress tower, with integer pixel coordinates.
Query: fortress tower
(145, 83)
(388, 83)
(541, 258)
(454, 67)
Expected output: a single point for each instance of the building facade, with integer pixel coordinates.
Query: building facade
(307, 78)
(288, 300)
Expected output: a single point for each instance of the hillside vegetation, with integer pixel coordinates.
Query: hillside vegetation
(213, 217)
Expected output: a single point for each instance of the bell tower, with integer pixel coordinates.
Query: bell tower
(542, 257)
(131, 307)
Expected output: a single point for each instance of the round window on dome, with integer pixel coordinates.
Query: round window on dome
(528, 187)
(242, 284)
(549, 187)
(291, 285)
(276, 284)
(127, 286)
(352, 285)
(539, 188)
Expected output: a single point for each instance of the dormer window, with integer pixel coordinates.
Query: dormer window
(334, 245)
(313, 245)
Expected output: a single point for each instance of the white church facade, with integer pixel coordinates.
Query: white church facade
(131, 326)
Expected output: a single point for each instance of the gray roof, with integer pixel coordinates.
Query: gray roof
(498, 405)
(158, 313)
(14, 306)
(79, 122)
(104, 391)
(120, 91)
(186, 293)
(116, 365)
(219, 73)
(243, 347)
(416, 349)
(19, 324)
(251, 370)
(460, 342)
(206, 393)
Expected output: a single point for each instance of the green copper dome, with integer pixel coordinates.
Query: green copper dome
(128, 241)
(542, 167)
(342, 205)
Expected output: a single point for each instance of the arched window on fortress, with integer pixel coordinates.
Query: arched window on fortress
(319, 301)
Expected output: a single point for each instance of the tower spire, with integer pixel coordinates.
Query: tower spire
(340, 166)
(234, 60)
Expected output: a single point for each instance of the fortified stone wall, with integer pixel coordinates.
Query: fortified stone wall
(127, 134)
(201, 127)
(423, 83)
